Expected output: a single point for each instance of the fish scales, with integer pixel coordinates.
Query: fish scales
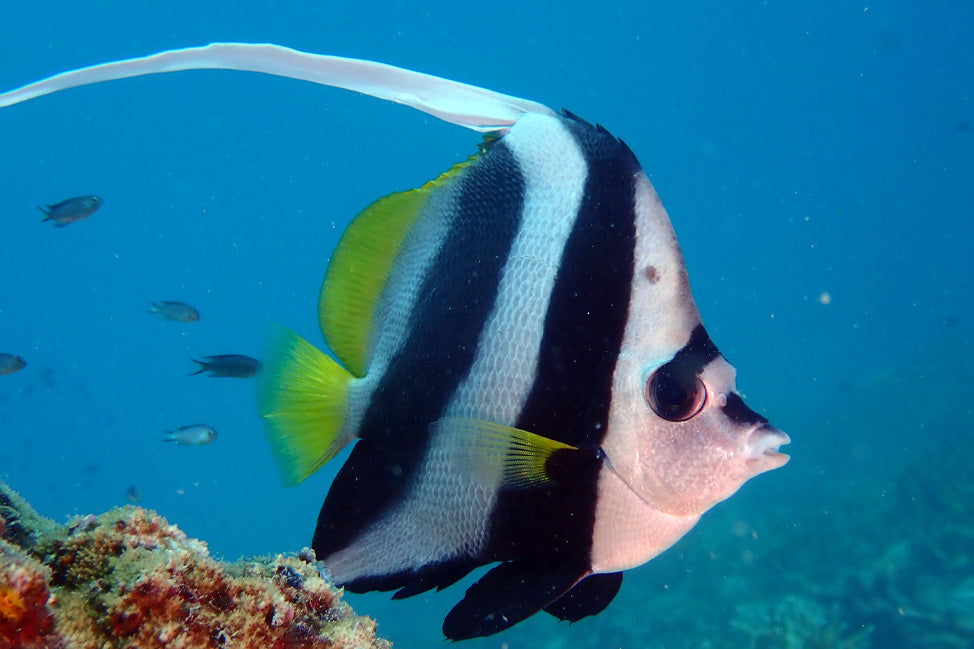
(436, 351)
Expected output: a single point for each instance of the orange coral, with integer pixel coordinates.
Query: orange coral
(25, 619)
(11, 605)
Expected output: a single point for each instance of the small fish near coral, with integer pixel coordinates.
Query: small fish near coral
(133, 494)
(235, 366)
(10, 363)
(175, 311)
(71, 210)
(195, 435)
(520, 363)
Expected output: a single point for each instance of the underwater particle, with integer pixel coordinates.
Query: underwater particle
(70, 210)
(175, 311)
(127, 578)
(133, 494)
(195, 435)
(824, 298)
(10, 363)
(235, 366)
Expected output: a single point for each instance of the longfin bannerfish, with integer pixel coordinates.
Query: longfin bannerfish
(520, 363)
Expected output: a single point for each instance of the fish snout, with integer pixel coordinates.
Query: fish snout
(761, 449)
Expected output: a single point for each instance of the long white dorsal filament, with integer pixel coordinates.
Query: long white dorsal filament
(459, 103)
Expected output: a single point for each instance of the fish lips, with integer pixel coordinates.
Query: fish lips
(761, 449)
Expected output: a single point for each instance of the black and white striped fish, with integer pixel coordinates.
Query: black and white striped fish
(518, 356)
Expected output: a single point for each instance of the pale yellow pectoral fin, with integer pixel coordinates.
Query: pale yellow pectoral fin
(498, 454)
(303, 400)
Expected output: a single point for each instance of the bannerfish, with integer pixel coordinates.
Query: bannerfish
(228, 365)
(520, 362)
(71, 210)
(175, 311)
(10, 363)
(195, 435)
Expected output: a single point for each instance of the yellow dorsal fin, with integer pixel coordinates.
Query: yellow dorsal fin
(498, 454)
(360, 267)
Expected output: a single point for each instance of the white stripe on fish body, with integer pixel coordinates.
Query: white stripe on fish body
(396, 541)
(444, 513)
(554, 172)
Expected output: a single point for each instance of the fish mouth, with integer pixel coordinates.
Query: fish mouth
(762, 449)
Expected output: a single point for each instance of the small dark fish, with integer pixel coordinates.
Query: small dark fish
(71, 210)
(133, 494)
(195, 435)
(235, 366)
(10, 363)
(176, 311)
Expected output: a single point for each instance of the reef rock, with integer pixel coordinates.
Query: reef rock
(129, 579)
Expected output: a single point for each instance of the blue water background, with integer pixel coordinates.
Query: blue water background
(802, 150)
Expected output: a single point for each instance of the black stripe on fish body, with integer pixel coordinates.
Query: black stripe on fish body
(458, 293)
(583, 332)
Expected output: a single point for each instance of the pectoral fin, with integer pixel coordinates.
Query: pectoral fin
(497, 454)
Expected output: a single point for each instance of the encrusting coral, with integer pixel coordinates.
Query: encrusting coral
(128, 579)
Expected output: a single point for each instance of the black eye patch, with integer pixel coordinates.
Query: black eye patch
(738, 412)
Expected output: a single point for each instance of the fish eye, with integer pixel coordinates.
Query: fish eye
(674, 397)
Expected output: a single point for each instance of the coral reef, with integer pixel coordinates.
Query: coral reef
(795, 622)
(128, 579)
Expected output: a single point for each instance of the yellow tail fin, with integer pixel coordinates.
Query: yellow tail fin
(303, 400)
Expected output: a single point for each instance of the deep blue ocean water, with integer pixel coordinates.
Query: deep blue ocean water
(802, 151)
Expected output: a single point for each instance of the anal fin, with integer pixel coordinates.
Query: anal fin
(508, 594)
(589, 597)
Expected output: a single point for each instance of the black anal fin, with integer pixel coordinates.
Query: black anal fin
(509, 593)
(588, 597)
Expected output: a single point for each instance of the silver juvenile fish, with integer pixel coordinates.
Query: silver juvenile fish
(10, 363)
(521, 364)
(175, 311)
(71, 210)
(196, 435)
(235, 366)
